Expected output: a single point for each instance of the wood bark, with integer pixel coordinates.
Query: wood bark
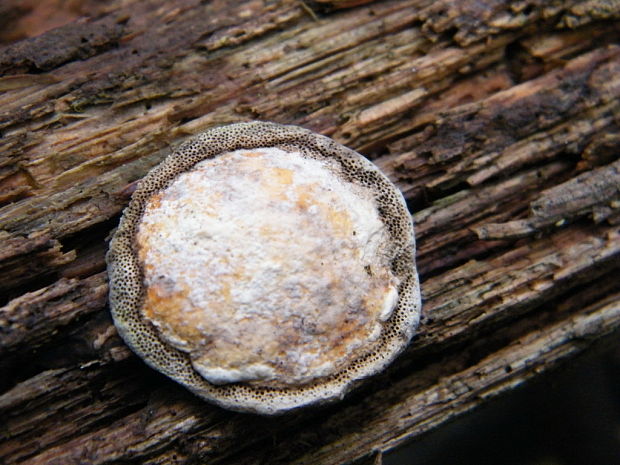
(499, 120)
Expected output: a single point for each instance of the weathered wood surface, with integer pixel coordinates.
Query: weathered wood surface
(499, 120)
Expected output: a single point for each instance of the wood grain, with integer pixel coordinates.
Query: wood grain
(498, 120)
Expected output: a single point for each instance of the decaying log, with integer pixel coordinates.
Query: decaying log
(499, 121)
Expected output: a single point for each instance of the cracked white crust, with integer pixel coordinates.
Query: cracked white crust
(265, 266)
(391, 302)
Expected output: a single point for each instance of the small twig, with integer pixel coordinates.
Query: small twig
(308, 10)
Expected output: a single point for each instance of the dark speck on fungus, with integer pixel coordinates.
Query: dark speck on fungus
(265, 268)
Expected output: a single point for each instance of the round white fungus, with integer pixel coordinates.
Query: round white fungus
(265, 267)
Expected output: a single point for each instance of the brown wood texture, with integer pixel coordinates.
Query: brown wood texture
(499, 120)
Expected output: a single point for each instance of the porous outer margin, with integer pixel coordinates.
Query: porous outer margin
(125, 275)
